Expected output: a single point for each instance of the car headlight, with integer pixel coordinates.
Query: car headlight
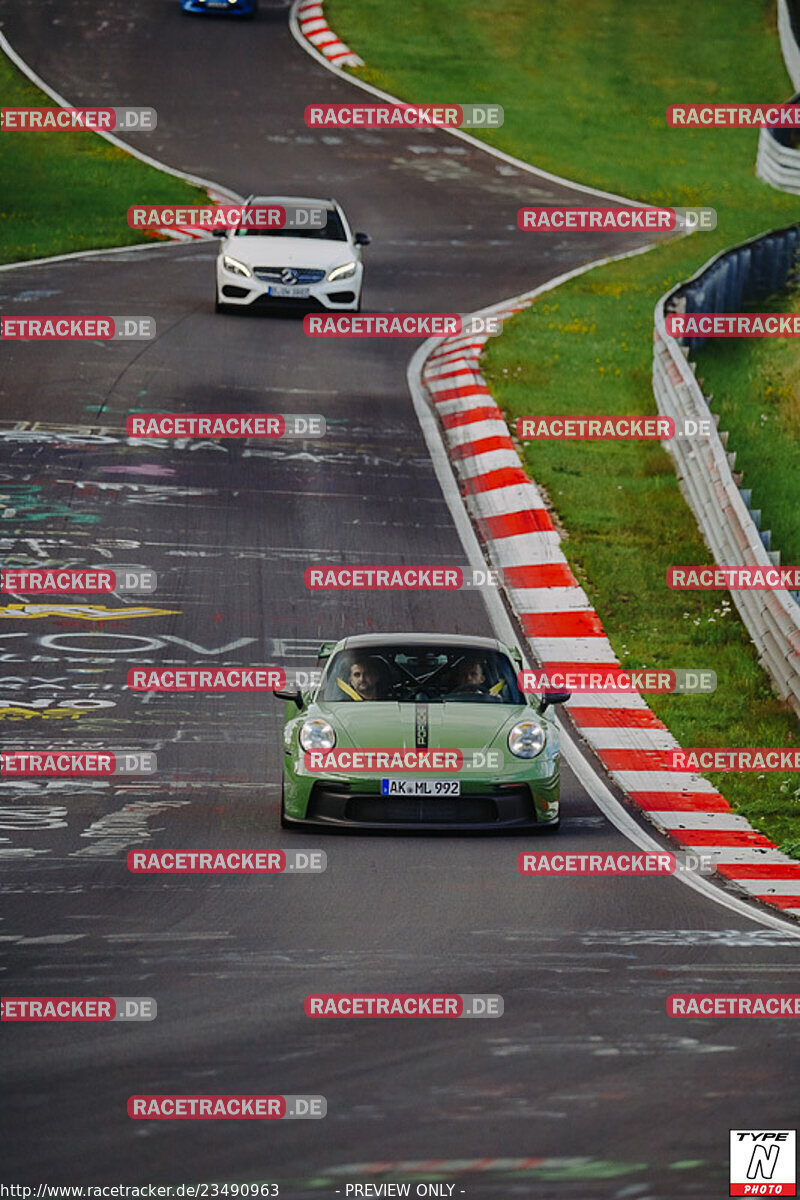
(317, 735)
(526, 740)
(235, 267)
(343, 272)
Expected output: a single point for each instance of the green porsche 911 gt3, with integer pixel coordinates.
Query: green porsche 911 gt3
(421, 731)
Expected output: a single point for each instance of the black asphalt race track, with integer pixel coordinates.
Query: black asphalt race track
(584, 1089)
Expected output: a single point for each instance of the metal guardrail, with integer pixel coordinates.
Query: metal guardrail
(705, 469)
(790, 41)
(778, 163)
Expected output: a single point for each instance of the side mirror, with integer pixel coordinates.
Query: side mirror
(296, 697)
(553, 698)
(219, 232)
(362, 239)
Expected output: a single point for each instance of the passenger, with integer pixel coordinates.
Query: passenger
(363, 680)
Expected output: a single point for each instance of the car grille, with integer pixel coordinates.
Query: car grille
(338, 804)
(304, 275)
(428, 810)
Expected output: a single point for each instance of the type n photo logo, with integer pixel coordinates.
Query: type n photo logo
(763, 1162)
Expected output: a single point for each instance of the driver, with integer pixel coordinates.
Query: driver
(471, 673)
(470, 676)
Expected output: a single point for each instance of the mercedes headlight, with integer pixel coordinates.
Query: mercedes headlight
(526, 740)
(317, 735)
(343, 272)
(235, 267)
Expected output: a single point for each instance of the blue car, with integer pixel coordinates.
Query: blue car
(237, 8)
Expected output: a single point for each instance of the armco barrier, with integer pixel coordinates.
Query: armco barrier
(755, 269)
(790, 41)
(778, 163)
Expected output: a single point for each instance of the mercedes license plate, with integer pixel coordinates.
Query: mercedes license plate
(279, 289)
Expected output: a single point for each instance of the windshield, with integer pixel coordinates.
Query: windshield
(432, 674)
(332, 231)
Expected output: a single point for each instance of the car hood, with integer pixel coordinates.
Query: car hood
(384, 724)
(288, 252)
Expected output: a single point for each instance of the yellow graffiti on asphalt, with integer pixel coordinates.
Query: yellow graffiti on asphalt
(24, 714)
(81, 612)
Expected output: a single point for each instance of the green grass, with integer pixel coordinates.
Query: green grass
(585, 96)
(585, 86)
(61, 192)
(755, 384)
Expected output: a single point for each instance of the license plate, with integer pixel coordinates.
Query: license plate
(420, 787)
(279, 289)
